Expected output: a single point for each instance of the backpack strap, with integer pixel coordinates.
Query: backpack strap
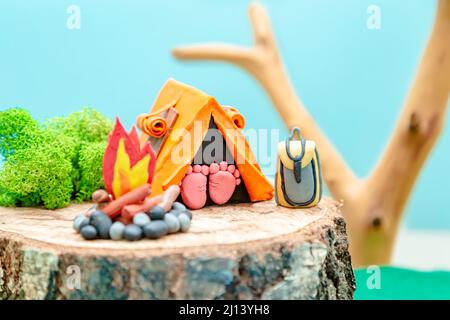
(298, 159)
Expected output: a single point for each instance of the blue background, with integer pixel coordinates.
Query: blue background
(352, 79)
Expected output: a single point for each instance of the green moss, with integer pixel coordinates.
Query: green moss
(90, 164)
(7, 199)
(86, 125)
(53, 163)
(18, 130)
(38, 176)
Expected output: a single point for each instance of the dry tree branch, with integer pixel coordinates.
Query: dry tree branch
(418, 128)
(373, 206)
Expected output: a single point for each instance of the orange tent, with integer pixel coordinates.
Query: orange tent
(194, 111)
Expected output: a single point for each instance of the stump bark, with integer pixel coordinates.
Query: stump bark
(246, 251)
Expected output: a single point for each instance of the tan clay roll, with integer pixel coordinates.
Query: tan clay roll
(152, 125)
(237, 118)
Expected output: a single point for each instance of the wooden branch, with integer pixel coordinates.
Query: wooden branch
(374, 213)
(264, 63)
(219, 51)
(419, 125)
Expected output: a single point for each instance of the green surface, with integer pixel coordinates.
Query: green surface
(396, 283)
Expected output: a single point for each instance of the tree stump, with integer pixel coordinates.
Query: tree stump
(245, 251)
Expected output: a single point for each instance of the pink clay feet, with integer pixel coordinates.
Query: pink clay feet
(223, 179)
(193, 187)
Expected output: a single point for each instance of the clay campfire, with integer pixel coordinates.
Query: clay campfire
(127, 209)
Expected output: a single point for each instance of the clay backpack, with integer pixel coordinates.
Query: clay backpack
(298, 183)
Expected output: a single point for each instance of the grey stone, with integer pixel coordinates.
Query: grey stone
(185, 222)
(188, 213)
(141, 219)
(102, 222)
(178, 206)
(89, 232)
(176, 212)
(80, 221)
(116, 230)
(132, 232)
(157, 213)
(156, 229)
(172, 223)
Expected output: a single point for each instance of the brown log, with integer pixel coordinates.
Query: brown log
(129, 211)
(134, 196)
(373, 206)
(245, 251)
(169, 197)
(101, 196)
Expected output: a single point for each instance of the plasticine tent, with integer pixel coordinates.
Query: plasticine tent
(194, 111)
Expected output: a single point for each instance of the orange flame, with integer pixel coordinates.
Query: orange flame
(126, 165)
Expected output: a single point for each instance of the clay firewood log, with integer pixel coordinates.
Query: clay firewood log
(137, 195)
(169, 197)
(129, 211)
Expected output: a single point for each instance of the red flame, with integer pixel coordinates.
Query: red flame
(125, 165)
